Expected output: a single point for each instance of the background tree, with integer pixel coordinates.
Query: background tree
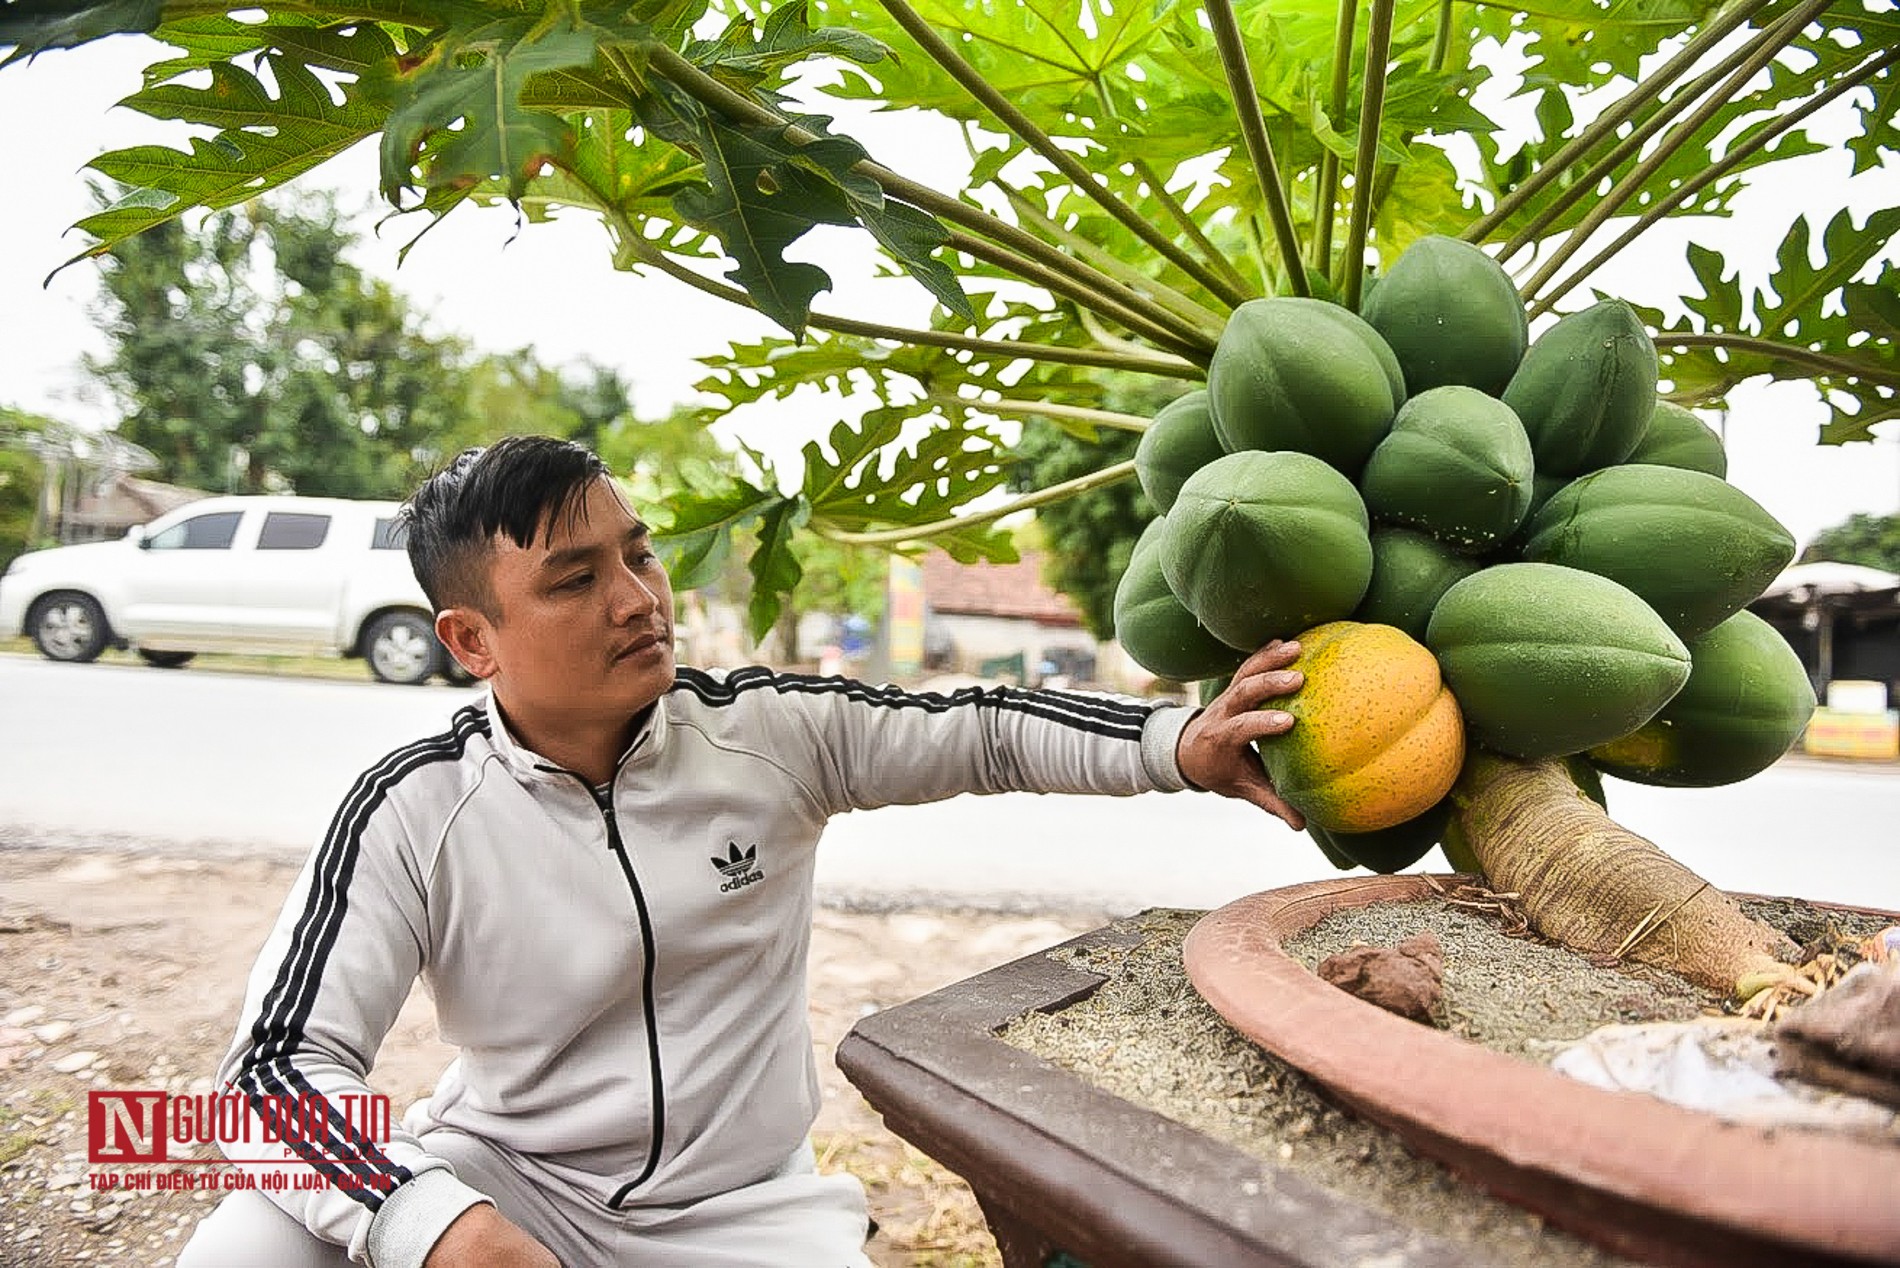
(1870, 540)
(1089, 539)
(22, 479)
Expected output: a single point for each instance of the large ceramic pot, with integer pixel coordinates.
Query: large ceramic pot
(1635, 1174)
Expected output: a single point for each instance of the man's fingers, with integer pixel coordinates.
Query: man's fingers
(1261, 793)
(1254, 725)
(1277, 654)
(1255, 690)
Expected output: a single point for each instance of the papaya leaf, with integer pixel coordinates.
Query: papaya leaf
(473, 76)
(205, 41)
(1820, 323)
(35, 26)
(693, 528)
(774, 565)
(912, 237)
(743, 59)
(262, 142)
(606, 170)
(761, 193)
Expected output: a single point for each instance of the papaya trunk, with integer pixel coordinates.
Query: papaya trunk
(1597, 887)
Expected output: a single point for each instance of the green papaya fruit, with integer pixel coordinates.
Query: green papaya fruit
(1747, 701)
(1303, 375)
(1677, 438)
(1695, 548)
(1388, 849)
(1547, 661)
(1410, 573)
(1263, 545)
(1456, 465)
(1179, 442)
(1451, 315)
(1586, 389)
(1158, 633)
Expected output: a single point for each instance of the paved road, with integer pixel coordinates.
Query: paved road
(123, 753)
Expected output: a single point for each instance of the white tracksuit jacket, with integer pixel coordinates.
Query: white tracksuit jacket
(623, 969)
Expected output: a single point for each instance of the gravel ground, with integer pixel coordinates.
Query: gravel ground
(125, 969)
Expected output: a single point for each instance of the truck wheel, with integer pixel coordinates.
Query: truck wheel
(69, 627)
(401, 648)
(165, 660)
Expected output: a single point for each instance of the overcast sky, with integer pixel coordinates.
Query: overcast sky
(551, 286)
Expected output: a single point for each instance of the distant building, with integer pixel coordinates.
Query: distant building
(1842, 620)
(1003, 621)
(105, 511)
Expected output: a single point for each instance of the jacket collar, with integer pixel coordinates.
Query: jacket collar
(531, 767)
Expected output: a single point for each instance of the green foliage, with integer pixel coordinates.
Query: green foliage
(1821, 324)
(252, 354)
(21, 480)
(695, 150)
(1872, 541)
(1089, 540)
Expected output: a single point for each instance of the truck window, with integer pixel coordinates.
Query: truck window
(293, 530)
(391, 534)
(214, 531)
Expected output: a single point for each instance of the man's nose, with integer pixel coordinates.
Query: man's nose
(633, 596)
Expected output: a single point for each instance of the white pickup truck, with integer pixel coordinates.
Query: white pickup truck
(270, 574)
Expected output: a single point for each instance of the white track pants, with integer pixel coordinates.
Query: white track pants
(795, 1219)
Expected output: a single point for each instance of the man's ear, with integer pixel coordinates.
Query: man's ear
(465, 633)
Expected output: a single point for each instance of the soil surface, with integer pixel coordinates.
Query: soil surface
(126, 970)
(1148, 1037)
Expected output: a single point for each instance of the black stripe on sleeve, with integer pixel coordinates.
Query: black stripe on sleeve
(1096, 715)
(267, 1068)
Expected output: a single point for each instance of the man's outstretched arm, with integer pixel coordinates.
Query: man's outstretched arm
(859, 746)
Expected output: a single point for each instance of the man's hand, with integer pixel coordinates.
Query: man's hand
(482, 1237)
(1216, 750)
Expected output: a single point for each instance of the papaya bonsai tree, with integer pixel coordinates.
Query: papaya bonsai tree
(1233, 198)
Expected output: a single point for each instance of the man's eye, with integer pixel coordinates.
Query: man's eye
(578, 581)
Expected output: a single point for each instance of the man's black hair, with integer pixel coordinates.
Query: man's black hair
(513, 487)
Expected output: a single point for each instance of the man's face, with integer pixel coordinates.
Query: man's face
(583, 625)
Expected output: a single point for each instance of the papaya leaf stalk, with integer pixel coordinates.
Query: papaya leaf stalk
(1782, 351)
(1190, 226)
(1378, 46)
(1326, 185)
(1733, 75)
(1647, 90)
(1185, 306)
(1668, 202)
(677, 70)
(637, 248)
(1023, 127)
(1170, 332)
(1029, 501)
(1764, 50)
(1048, 409)
(1253, 130)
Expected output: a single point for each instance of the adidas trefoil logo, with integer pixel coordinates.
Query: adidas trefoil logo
(739, 868)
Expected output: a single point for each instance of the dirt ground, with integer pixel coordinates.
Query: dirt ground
(126, 969)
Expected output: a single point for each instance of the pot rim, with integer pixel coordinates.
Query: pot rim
(1535, 1136)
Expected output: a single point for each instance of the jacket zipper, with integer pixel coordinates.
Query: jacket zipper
(619, 847)
(604, 800)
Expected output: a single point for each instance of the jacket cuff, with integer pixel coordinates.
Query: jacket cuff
(415, 1215)
(1160, 736)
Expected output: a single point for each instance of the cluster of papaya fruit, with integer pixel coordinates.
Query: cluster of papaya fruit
(1475, 537)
